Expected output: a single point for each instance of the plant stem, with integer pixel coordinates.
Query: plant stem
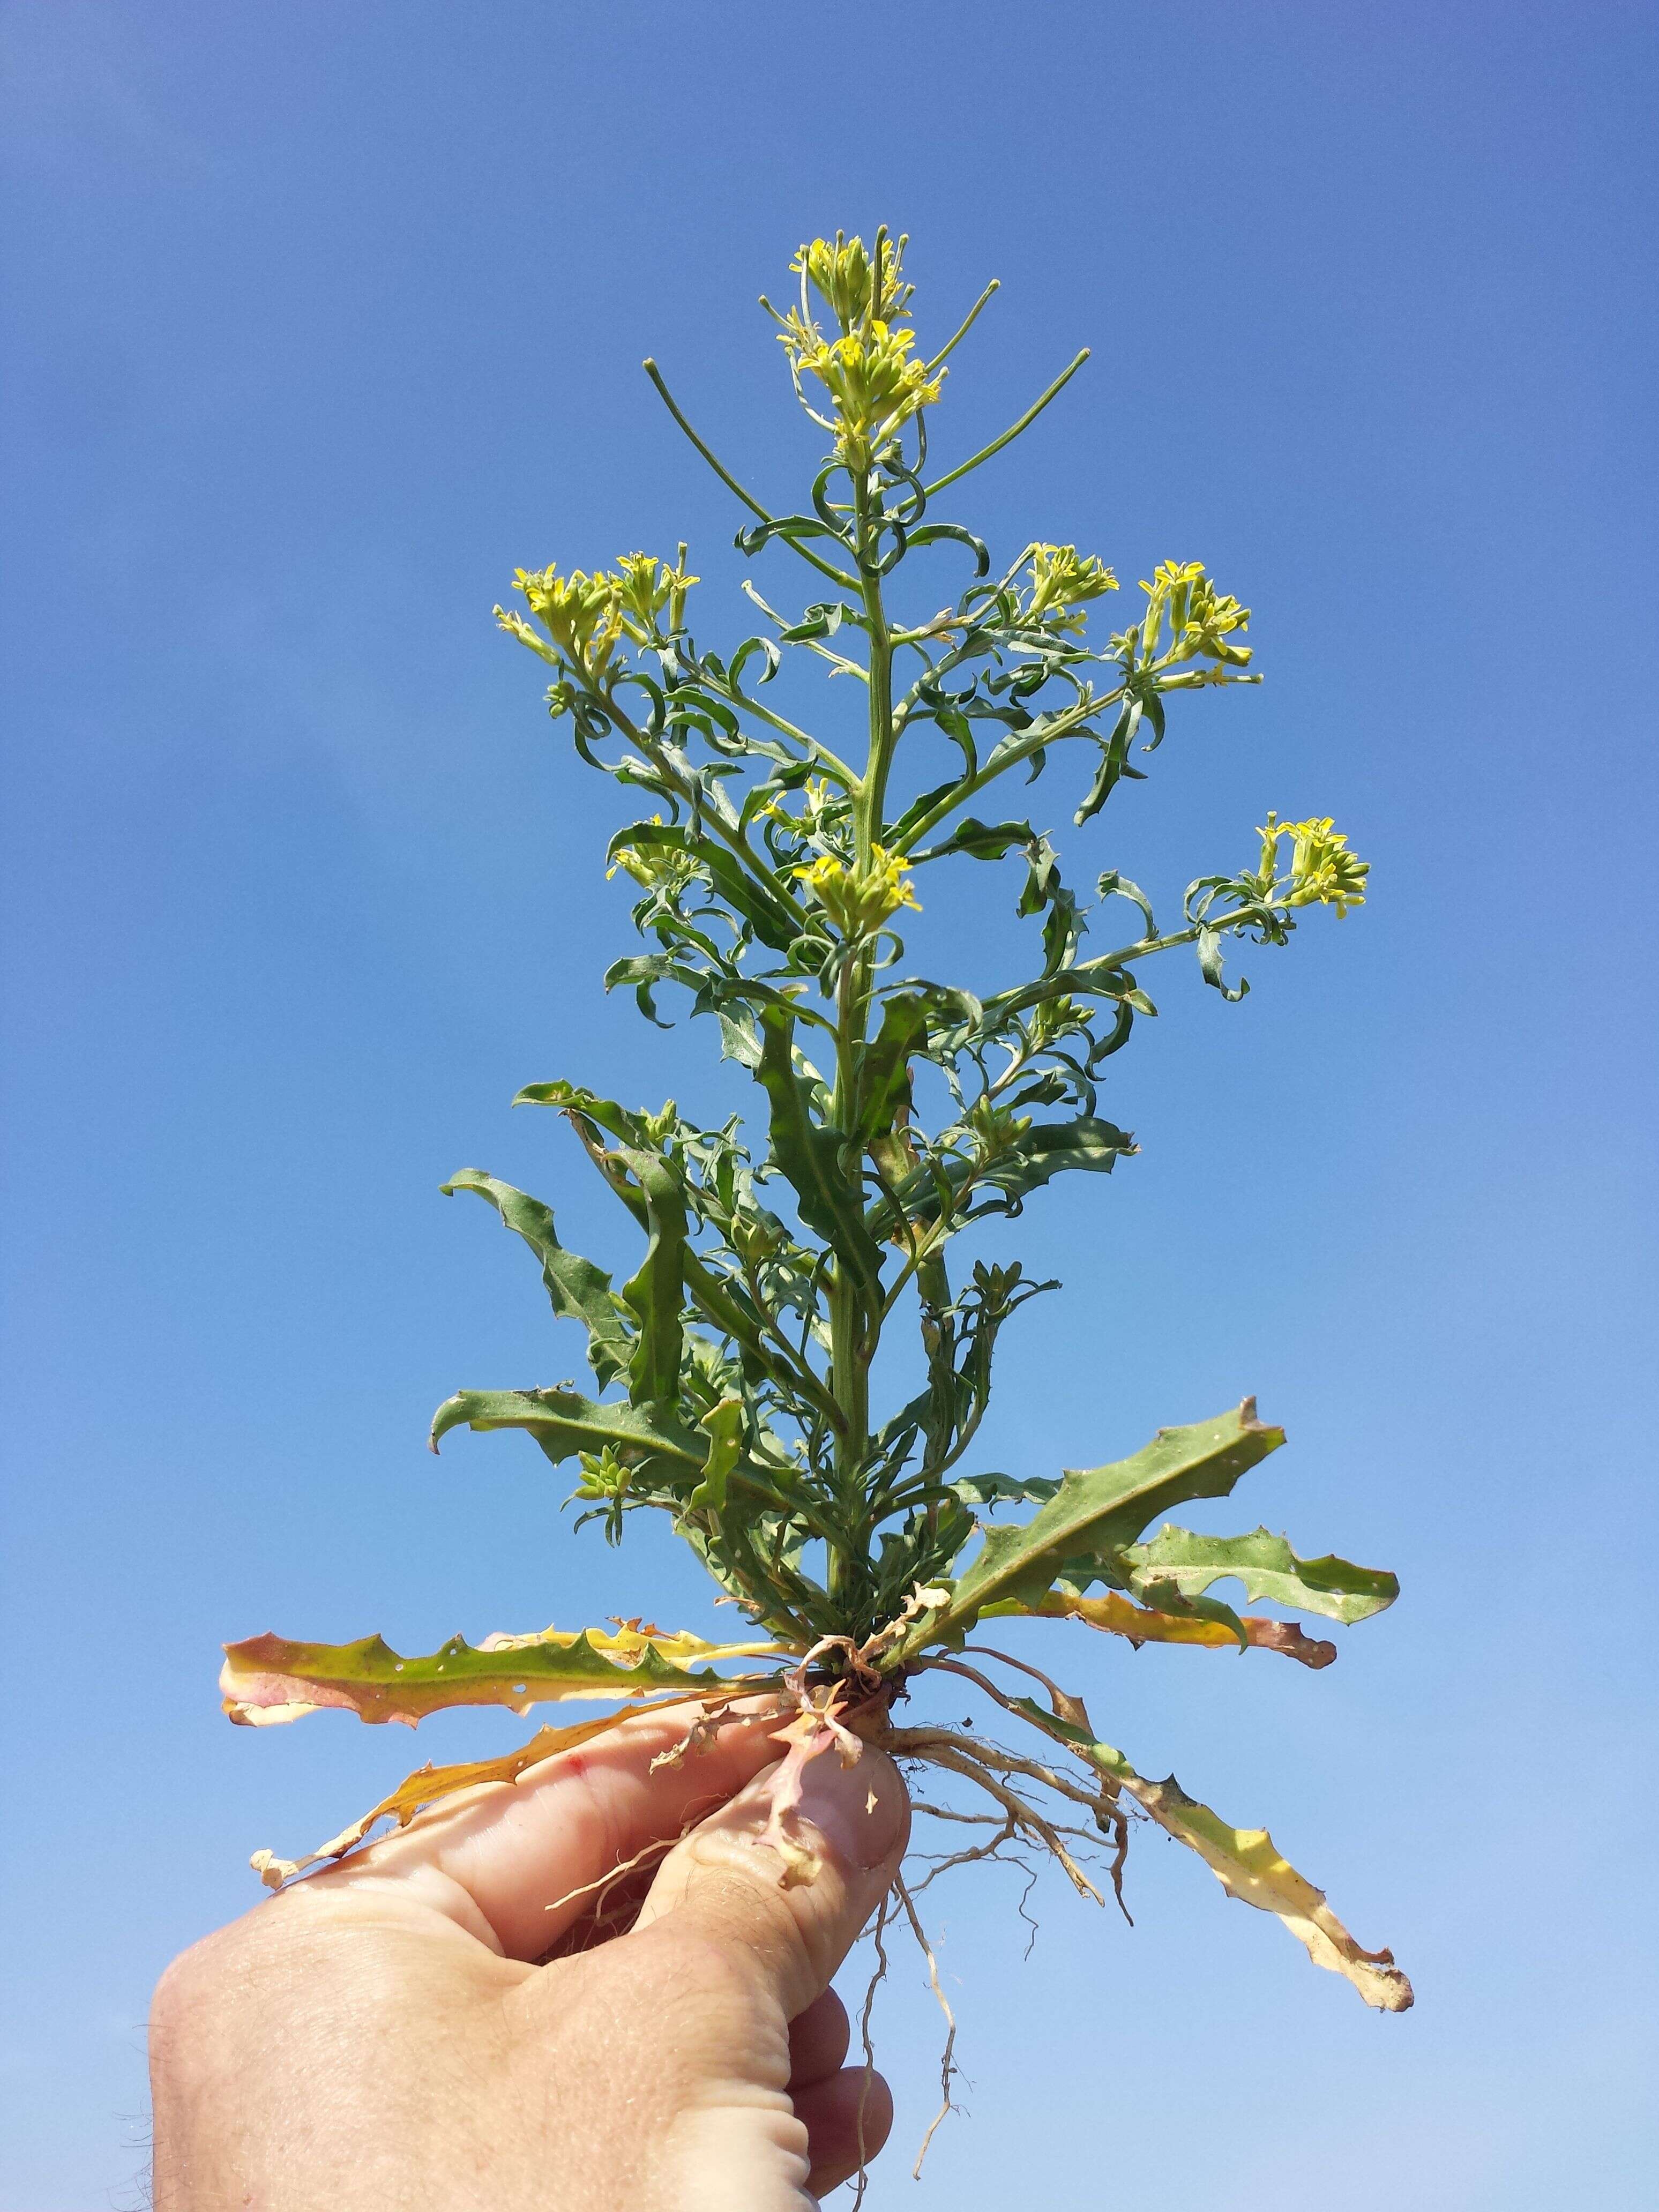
(1014, 429)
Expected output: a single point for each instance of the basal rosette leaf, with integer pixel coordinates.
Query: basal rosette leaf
(1118, 1615)
(1098, 1510)
(268, 1680)
(429, 1785)
(1246, 1862)
(1266, 1566)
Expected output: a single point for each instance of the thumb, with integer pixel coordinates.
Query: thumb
(726, 1887)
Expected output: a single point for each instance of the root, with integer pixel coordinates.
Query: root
(604, 1883)
(923, 1742)
(1021, 1815)
(1024, 1898)
(947, 2062)
(1006, 1833)
(1066, 1706)
(995, 1771)
(876, 1980)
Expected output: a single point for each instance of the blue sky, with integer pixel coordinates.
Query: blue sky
(321, 319)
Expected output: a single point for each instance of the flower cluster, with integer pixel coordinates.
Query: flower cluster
(658, 867)
(1062, 582)
(1201, 619)
(586, 616)
(854, 288)
(1323, 871)
(874, 385)
(859, 900)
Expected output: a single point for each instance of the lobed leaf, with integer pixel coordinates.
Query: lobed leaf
(268, 1680)
(656, 1292)
(884, 1073)
(563, 1423)
(1266, 1566)
(579, 1290)
(724, 1424)
(1247, 1864)
(1099, 1509)
(428, 1786)
(1119, 1615)
(809, 1157)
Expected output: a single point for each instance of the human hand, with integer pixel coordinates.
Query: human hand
(379, 2035)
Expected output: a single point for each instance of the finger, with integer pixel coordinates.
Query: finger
(516, 1863)
(724, 1886)
(848, 2118)
(818, 2040)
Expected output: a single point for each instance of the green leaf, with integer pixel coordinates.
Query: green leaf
(1028, 1161)
(1246, 1862)
(1051, 1147)
(739, 1040)
(579, 1290)
(582, 1105)
(809, 1157)
(995, 1490)
(885, 1074)
(1099, 1509)
(563, 1423)
(267, 1678)
(980, 841)
(724, 1425)
(656, 1293)
(1266, 1566)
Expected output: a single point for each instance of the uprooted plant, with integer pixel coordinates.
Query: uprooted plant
(733, 1366)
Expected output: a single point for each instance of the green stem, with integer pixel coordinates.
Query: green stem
(825, 567)
(1052, 733)
(852, 1331)
(966, 324)
(1011, 434)
(1081, 978)
(831, 763)
(732, 833)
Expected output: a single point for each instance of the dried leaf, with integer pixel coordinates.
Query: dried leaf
(427, 1786)
(1246, 1863)
(1121, 1616)
(268, 1680)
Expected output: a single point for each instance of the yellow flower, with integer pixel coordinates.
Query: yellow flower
(874, 385)
(859, 900)
(1061, 581)
(586, 616)
(645, 585)
(581, 614)
(1323, 871)
(665, 867)
(1201, 619)
(844, 277)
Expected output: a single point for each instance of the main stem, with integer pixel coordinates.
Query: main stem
(852, 1333)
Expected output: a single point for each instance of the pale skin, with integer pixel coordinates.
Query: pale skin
(381, 2035)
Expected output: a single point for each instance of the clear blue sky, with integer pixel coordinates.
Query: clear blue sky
(319, 320)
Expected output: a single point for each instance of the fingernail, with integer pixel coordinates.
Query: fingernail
(859, 1811)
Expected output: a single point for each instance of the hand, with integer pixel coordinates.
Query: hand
(381, 2035)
